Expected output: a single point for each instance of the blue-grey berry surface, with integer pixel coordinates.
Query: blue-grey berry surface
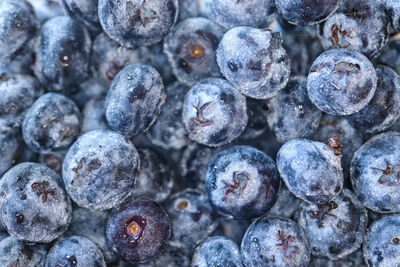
(85, 12)
(93, 115)
(393, 9)
(17, 253)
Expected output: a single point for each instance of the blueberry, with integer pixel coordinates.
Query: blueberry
(168, 131)
(393, 9)
(375, 173)
(62, 53)
(18, 25)
(217, 251)
(356, 259)
(138, 23)
(242, 182)
(311, 170)
(230, 14)
(232, 229)
(189, 9)
(77, 251)
(170, 256)
(273, 241)
(93, 115)
(138, 230)
(84, 12)
(341, 82)
(214, 113)
(52, 123)
(46, 9)
(306, 12)
(384, 109)
(53, 160)
(262, 67)
(257, 123)
(291, 114)
(100, 169)
(361, 25)
(390, 55)
(16, 253)
(159, 60)
(34, 206)
(134, 99)
(381, 245)
(93, 89)
(286, 205)
(191, 49)
(10, 148)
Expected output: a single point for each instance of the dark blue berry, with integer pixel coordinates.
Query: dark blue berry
(84, 12)
(16, 253)
(93, 115)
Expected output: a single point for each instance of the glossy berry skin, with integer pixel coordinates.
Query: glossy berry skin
(138, 23)
(76, 251)
(393, 9)
(100, 169)
(291, 114)
(360, 25)
(138, 230)
(311, 170)
(84, 12)
(134, 99)
(217, 251)
(34, 206)
(52, 123)
(214, 113)
(274, 241)
(242, 182)
(334, 229)
(62, 53)
(341, 82)
(374, 173)
(18, 25)
(230, 14)
(16, 253)
(93, 115)
(262, 67)
(191, 50)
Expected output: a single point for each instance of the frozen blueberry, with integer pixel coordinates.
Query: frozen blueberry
(390, 55)
(361, 25)
(384, 109)
(84, 12)
(52, 123)
(136, 22)
(10, 148)
(273, 241)
(334, 229)
(189, 9)
(170, 256)
(18, 25)
(242, 182)
(393, 8)
(93, 115)
(291, 114)
(77, 251)
(134, 99)
(192, 218)
(62, 53)
(46, 9)
(53, 160)
(14, 253)
(138, 230)
(311, 170)
(381, 245)
(34, 206)
(356, 259)
(375, 173)
(214, 113)
(232, 229)
(92, 88)
(159, 60)
(229, 14)
(286, 205)
(217, 251)
(191, 49)
(257, 123)
(168, 131)
(262, 67)
(341, 82)
(100, 169)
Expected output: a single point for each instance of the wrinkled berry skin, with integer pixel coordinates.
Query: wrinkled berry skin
(138, 23)
(334, 229)
(134, 99)
(374, 173)
(214, 113)
(306, 12)
(262, 67)
(230, 14)
(52, 123)
(393, 9)
(341, 82)
(84, 12)
(360, 25)
(242, 182)
(34, 206)
(77, 251)
(62, 55)
(217, 251)
(93, 115)
(291, 114)
(274, 241)
(100, 169)
(191, 50)
(311, 170)
(16, 253)
(138, 230)
(381, 245)
(18, 25)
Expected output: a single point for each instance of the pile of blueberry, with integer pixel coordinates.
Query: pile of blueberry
(201, 133)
